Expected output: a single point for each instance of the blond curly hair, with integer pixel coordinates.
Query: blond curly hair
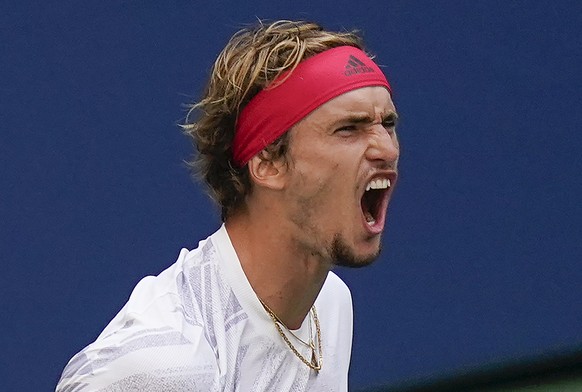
(253, 58)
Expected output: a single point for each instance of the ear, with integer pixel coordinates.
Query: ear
(266, 172)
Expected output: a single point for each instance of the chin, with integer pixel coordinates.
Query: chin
(345, 256)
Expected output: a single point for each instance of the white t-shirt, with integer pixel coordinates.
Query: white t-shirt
(198, 326)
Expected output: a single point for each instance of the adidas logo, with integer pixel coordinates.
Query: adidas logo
(356, 66)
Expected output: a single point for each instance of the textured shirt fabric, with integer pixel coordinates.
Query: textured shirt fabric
(198, 326)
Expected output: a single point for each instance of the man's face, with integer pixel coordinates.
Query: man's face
(337, 152)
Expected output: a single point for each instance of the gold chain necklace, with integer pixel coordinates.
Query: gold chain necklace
(316, 360)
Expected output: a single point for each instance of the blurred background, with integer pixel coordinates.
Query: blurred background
(481, 263)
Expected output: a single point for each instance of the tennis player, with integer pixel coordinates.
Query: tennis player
(296, 140)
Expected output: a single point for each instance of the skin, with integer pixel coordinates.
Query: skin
(304, 214)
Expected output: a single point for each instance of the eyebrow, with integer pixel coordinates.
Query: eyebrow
(366, 119)
(391, 116)
(357, 119)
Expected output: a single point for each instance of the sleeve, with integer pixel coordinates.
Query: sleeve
(152, 344)
(143, 359)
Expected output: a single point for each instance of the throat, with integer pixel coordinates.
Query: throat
(280, 269)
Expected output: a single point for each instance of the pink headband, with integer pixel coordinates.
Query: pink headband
(312, 83)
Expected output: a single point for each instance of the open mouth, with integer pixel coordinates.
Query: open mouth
(374, 202)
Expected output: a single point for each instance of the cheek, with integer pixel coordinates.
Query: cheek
(319, 177)
(311, 194)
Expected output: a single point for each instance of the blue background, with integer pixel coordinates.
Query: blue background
(482, 253)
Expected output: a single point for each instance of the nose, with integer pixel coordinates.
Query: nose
(383, 145)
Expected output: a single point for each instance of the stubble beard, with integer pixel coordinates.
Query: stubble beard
(338, 252)
(343, 256)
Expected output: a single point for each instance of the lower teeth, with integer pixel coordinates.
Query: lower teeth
(369, 218)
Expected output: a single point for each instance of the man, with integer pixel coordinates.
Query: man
(297, 142)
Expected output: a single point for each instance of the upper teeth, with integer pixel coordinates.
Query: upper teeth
(378, 184)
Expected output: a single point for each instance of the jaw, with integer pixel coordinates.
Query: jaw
(356, 255)
(332, 226)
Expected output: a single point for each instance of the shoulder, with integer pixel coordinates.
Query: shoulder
(156, 341)
(139, 351)
(335, 289)
(335, 299)
(142, 359)
(161, 298)
(335, 312)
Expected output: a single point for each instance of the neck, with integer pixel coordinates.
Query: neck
(284, 276)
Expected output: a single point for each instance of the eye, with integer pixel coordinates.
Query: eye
(389, 124)
(347, 129)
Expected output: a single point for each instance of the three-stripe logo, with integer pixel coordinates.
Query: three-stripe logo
(356, 66)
